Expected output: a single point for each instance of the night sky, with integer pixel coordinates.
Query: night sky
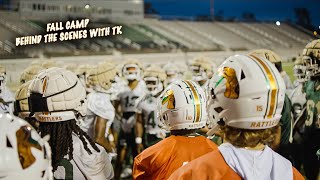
(263, 9)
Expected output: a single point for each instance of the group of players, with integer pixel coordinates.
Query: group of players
(109, 120)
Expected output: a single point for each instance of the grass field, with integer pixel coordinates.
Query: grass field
(288, 67)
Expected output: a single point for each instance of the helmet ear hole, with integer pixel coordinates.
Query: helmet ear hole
(8, 143)
(218, 109)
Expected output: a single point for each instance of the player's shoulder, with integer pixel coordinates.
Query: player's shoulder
(100, 104)
(158, 151)
(209, 166)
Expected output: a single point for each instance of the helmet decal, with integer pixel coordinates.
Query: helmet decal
(169, 97)
(25, 143)
(232, 84)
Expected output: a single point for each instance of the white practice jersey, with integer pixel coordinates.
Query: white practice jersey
(128, 99)
(148, 108)
(117, 87)
(7, 100)
(84, 165)
(99, 104)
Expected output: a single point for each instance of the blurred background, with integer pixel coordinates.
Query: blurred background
(158, 31)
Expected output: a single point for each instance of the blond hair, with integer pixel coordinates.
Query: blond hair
(249, 138)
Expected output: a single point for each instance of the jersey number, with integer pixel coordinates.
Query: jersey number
(130, 101)
(311, 110)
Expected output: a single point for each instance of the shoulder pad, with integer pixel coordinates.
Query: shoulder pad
(99, 104)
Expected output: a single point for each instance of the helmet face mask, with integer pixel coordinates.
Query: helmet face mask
(154, 85)
(299, 71)
(198, 73)
(131, 72)
(312, 66)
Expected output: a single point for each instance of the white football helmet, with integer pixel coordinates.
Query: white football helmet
(21, 106)
(3, 78)
(29, 73)
(311, 58)
(23, 153)
(172, 72)
(102, 76)
(299, 70)
(132, 70)
(247, 93)
(56, 95)
(200, 68)
(154, 77)
(182, 105)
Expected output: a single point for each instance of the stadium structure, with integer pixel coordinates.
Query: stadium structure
(141, 36)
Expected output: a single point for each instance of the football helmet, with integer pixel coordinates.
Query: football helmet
(200, 68)
(21, 106)
(23, 153)
(71, 67)
(154, 77)
(269, 55)
(299, 70)
(3, 78)
(102, 76)
(132, 70)
(182, 105)
(29, 73)
(56, 94)
(247, 93)
(311, 58)
(172, 72)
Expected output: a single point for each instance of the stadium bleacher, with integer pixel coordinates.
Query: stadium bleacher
(154, 35)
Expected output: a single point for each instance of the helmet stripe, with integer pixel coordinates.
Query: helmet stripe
(273, 86)
(196, 101)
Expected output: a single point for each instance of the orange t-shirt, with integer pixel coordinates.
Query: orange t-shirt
(162, 159)
(212, 166)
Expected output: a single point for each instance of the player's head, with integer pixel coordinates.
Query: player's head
(21, 106)
(58, 100)
(246, 98)
(49, 64)
(299, 70)
(154, 77)
(102, 76)
(3, 77)
(82, 73)
(24, 154)
(132, 70)
(311, 58)
(29, 73)
(172, 72)
(71, 67)
(182, 106)
(269, 55)
(201, 68)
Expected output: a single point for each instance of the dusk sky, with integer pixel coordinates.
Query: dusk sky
(263, 9)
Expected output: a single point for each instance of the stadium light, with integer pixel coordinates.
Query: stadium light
(87, 6)
(278, 23)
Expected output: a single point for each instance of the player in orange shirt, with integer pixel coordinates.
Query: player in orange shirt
(245, 100)
(182, 110)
